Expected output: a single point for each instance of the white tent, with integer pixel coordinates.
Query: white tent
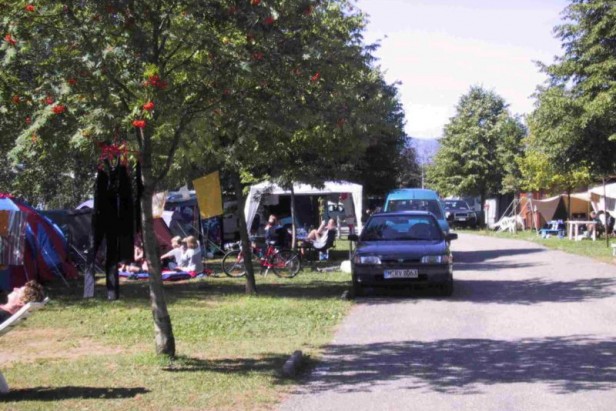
(330, 187)
(596, 197)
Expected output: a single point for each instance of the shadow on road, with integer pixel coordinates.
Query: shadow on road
(480, 256)
(525, 292)
(533, 291)
(462, 366)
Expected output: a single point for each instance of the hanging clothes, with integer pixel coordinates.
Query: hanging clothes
(113, 222)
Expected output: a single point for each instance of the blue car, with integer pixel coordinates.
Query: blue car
(402, 249)
(417, 199)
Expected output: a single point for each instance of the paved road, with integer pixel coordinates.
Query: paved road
(526, 329)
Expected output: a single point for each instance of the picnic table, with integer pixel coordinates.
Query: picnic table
(573, 228)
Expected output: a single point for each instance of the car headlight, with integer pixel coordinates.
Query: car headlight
(435, 259)
(367, 259)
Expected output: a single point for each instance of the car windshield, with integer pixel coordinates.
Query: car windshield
(416, 205)
(456, 205)
(402, 228)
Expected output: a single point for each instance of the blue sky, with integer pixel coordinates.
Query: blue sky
(438, 49)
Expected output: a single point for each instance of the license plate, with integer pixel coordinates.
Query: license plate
(461, 218)
(388, 274)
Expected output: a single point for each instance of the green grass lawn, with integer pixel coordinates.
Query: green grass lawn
(95, 354)
(595, 249)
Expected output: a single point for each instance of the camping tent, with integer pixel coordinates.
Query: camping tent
(257, 191)
(45, 253)
(557, 207)
(76, 225)
(596, 197)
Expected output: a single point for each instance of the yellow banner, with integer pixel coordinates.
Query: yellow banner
(209, 196)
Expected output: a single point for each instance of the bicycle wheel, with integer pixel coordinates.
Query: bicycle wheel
(286, 264)
(233, 264)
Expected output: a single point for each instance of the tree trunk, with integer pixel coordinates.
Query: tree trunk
(164, 339)
(568, 204)
(293, 228)
(483, 214)
(251, 285)
(607, 238)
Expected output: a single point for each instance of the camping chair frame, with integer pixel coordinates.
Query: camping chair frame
(20, 316)
(312, 251)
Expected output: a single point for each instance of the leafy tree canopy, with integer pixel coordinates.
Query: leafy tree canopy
(476, 152)
(575, 119)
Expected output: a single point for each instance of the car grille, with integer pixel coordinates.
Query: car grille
(400, 262)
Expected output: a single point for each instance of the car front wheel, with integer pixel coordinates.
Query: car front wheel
(447, 288)
(357, 288)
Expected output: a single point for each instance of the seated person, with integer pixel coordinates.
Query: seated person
(191, 261)
(597, 227)
(138, 265)
(270, 229)
(31, 291)
(609, 223)
(318, 237)
(172, 258)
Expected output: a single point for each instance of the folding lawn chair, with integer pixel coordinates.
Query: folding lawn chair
(23, 313)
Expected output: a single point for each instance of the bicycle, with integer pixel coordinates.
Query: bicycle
(284, 263)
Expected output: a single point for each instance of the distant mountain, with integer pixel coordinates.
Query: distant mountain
(425, 148)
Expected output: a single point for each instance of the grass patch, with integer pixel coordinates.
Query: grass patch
(598, 249)
(97, 354)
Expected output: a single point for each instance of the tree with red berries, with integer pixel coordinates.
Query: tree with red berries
(261, 89)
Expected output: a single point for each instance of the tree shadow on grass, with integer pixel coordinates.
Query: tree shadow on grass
(462, 366)
(270, 364)
(136, 293)
(70, 392)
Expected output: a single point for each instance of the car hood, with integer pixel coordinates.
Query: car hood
(402, 248)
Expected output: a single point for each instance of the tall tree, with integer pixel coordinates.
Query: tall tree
(117, 71)
(478, 144)
(253, 86)
(575, 119)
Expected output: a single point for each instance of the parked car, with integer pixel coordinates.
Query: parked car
(417, 199)
(458, 213)
(401, 249)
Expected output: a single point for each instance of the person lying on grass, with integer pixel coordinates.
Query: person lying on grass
(32, 291)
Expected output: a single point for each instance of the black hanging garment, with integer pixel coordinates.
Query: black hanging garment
(138, 195)
(100, 219)
(112, 221)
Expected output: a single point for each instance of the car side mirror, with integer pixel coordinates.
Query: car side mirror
(450, 217)
(451, 236)
(353, 237)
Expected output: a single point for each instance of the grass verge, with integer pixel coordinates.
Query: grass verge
(95, 354)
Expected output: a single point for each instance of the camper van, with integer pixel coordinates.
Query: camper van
(417, 199)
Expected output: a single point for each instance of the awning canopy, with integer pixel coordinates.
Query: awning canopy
(257, 191)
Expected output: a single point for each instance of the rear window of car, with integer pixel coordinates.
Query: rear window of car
(416, 205)
(456, 205)
(402, 228)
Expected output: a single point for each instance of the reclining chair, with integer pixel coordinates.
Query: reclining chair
(23, 313)
(312, 251)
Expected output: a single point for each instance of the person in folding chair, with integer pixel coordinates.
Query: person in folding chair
(322, 238)
(318, 237)
(32, 291)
